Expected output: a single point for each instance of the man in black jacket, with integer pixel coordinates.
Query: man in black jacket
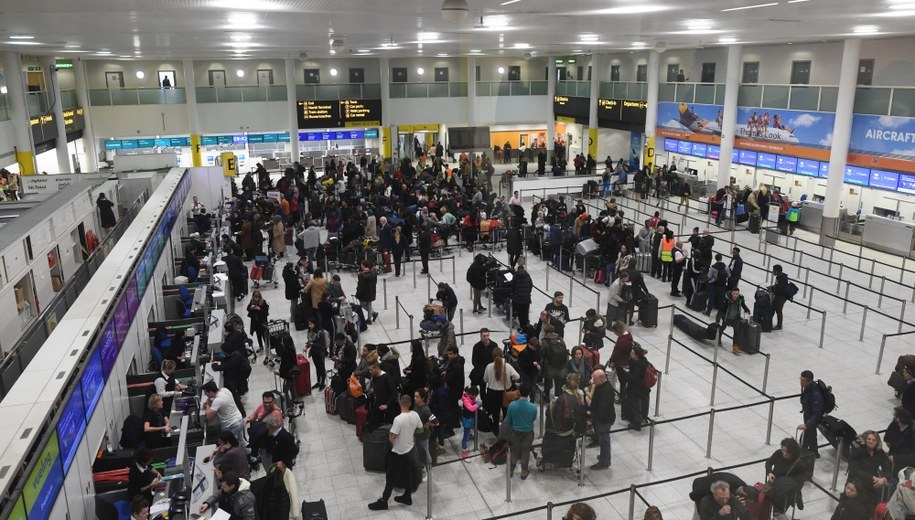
(602, 415)
(522, 285)
(453, 375)
(425, 246)
(476, 277)
(481, 356)
(279, 448)
(812, 408)
(735, 267)
(344, 356)
(384, 397)
(722, 504)
(238, 275)
(780, 292)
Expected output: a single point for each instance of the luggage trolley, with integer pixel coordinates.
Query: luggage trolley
(263, 271)
(276, 330)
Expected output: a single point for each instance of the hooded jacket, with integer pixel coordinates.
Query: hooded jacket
(241, 504)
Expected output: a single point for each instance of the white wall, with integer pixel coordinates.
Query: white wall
(249, 67)
(491, 110)
(615, 143)
(448, 111)
(141, 120)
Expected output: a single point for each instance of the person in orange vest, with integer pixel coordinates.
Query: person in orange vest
(666, 255)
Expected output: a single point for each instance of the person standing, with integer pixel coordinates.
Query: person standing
(105, 212)
(449, 300)
(398, 249)
(735, 266)
(717, 282)
(636, 391)
(602, 415)
(366, 290)
(399, 468)
(513, 245)
(498, 377)
(476, 277)
(259, 311)
(781, 293)
(522, 285)
(480, 358)
(676, 268)
(729, 315)
(425, 246)
(812, 408)
(317, 347)
(520, 418)
(557, 309)
(685, 192)
(221, 403)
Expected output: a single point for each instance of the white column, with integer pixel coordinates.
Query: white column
(729, 115)
(292, 104)
(388, 138)
(49, 64)
(841, 134)
(471, 91)
(193, 122)
(651, 96)
(19, 113)
(592, 113)
(82, 99)
(551, 117)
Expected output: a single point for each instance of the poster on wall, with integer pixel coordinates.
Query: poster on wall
(884, 142)
(694, 122)
(810, 129)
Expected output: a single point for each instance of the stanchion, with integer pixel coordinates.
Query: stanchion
(453, 272)
(632, 502)
(863, 322)
(839, 278)
(799, 261)
(810, 301)
(428, 490)
(429, 289)
(414, 273)
(476, 430)
(766, 374)
(806, 278)
(650, 445)
(880, 297)
(670, 339)
(845, 303)
(396, 312)
(901, 317)
(822, 328)
(412, 330)
(769, 426)
(870, 281)
(711, 432)
(460, 247)
(549, 511)
(511, 320)
(571, 285)
(657, 396)
(880, 354)
(441, 262)
(508, 474)
(542, 414)
(581, 462)
(489, 308)
(461, 311)
(384, 287)
(838, 460)
(580, 327)
(714, 376)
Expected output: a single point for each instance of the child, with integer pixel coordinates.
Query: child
(469, 405)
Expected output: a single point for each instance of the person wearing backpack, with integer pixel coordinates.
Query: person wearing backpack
(812, 406)
(781, 292)
(718, 276)
(555, 355)
(636, 391)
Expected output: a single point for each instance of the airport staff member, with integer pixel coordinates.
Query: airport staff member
(166, 386)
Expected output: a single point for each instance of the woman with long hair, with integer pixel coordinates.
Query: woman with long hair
(417, 374)
(870, 465)
(499, 376)
(259, 311)
(317, 347)
(786, 472)
(400, 245)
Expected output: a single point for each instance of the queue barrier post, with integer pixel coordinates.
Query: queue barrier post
(822, 328)
(711, 431)
(453, 271)
(414, 273)
(880, 297)
(476, 431)
(581, 462)
(651, 426)
(412, 330)
(880, 354)
(508, 474)
(839, 278)
(714, 375)
(838, 460)
(428, 490)
(632, 502)
(657, 396)
(769, 425)
(670, 339)
(901, 317)
(845, 303)
(397, 312)
(765, 382)
(384, 286)
(863, 323)
(810, 302)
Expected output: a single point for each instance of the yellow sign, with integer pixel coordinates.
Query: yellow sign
(360, 124)
(386, 141)
(592, 142)
(649, 152)
(196, 157)
(26, 160)
(229, 164)
(418, 128)
(564, 119)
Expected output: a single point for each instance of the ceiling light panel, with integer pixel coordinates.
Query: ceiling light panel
(745, 7)
(634, 9)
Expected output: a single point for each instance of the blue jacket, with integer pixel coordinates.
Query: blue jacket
(812, 405)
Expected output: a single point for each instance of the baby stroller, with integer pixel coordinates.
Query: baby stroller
(565, 422)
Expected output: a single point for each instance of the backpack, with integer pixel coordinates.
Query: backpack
(132, 432)
(829, 399)
(791, 291)
(498, 452)
(651, 376)
(557, 354)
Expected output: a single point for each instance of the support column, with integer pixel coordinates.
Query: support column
(293, 108)
(729, 116)
(19, 113)
(551, 117)
(49, 64)
(387, 138)
(193, 123)
(472, 91)
(82, 98)
(592, 113)
(651, 107)
(841, 134)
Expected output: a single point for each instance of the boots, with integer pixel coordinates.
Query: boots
(735, 349)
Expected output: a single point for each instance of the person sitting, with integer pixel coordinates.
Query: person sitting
(142, 478)
(852, 504)
(786, 472)
(869, 465)
(722, 504)
(234, 496)
(900, 439)
(139, 509)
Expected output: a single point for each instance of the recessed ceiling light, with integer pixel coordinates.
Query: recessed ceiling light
(125, 56)
(638, 44)
(333, 51)
(903, 6)
(797, 1)
(522, 46)
(243, 20)
(633, 9)
(21, 37)
(245, 5)
(23, 42)
(501, 70)
(333, 72)
(698, 24)
(141, 74)
(745, 7)
(494, 22)
(72, 46)
(74, 51)
(476, 50)
(241, 37)
(866, 29)
(589, 37)
(363, 51)
(103, 53)
(442, 55)
(727, 40)
(510, 2)
(577, 50)
(420, 71)
(428, 36)
(240, 73)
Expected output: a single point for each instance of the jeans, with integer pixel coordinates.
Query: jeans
(602, 430)
(610, 267)
(468, 432)
(638, 403)
(238, 429)
(715, 297)
(521, 448)
(310, 254)
(606, 190)
(477, 294)
(531, 380)
(367, 307)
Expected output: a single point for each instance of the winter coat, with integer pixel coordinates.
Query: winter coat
(241, 504)
(446, 340)
(316, 287)
(366, 286)
(279, 241)
(273, 497)
(522, 285)
(513, 241)
(476, 273)
(291, 282)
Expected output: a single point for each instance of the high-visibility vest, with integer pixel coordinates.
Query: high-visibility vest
(666, 252)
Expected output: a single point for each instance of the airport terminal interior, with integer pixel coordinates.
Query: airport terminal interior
(161, 165)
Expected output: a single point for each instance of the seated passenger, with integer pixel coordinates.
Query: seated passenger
(869, 465)
(900, 439)
(786, 472)
(722, 504)
(852, 505)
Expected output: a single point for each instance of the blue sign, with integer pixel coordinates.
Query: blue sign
(906, 184)
(179, 141)
(808, 167)
(786, 164)
(747, 157)
(146, 143)
(684, 147)
(371, 133)
(713, 152)
(113, 144)
(129, 143)
(824, 170)
(699, 150)
(857, 175)
(93, 382)
(884, 180)
(239, 139)
(109, 348)
(71, 425)
(670, 145)
(256, 138)
(44, 483)
(162, 142)
(270, 138)
(765, 160)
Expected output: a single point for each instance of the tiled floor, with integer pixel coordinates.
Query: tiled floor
(330, 463)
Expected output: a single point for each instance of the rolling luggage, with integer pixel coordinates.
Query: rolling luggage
(303, 380)
(561, 261)
(586, 247)
(330, 401)
(740, 218)
(375, 448)
(712, 331)
(643, 262)
(592, 356)
(753, 225)
(386, 258)
(760, 509)
(346, 407)
(897, 381)
(301, 316)
(697, 331)
(314, 510)
(557, 451)
(698, 301)
(747, 336)
(257, 273)
(648, 311)
(835, 430)
(360, 419)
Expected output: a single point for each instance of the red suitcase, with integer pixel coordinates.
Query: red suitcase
(362, 417)
(303, 380)
(330, 401)
(761, 509)
(592, 356)
(386, 258)
(257, 272)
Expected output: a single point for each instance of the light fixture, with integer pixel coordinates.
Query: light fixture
(639, 44)
(3, 89)
(22, 42)
(727, 39)
(493, 22)
(455, 10)
(420, 70)
(21, 37)
(103, 53)
(141, 74)
(698, 25)
(797, 1)
(364, 51)
(72, 46)
(333, 71)
(632, 9)
(745, 7)
(522, 46)
(589, 37)
(442, 55)
(510, 2)
(428, 36)
(501, 70)
(333, 51)
(576, 51)
(474, 51)
(240, 37)
(243, 20)
(240, 73)
(337, 44)
(866, 29)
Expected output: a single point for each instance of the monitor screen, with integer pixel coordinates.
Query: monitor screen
(108, 346)
(93, 382)
(906, 184)
(130, 296)
(713, 152)
(670, 145)
(808, 167)
(857, 175)
(684, 147)
(747, 157)
(884, 180)
(786, 164)
(699, 149)
(765, 160)
(734, 154)
(824, 170)
(121, 320)
(44, 482)
(71, 425)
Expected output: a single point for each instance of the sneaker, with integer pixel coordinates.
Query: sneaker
(735, 349)
(465, 454)
(374, 316)
(404, 499)
(379, 505)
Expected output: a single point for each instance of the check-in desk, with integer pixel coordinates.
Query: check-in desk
(889, 235)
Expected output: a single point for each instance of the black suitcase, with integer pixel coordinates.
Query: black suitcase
(557, 451)
(747, 336)
(740, 219)
(692, 329)
(375, 448)
(835, 429)
(346, 407)
(300, 318)
(698, 301)
(753, 225)
(762, 314)
(648, 311)
(314, 510)
(712, 331)
(897, 381)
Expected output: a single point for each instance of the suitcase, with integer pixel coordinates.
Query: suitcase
(897, 381)
(303, 380)
(257, 273)
(698, 301)
(346, 407)
(643, 262)
(360, 419)
(386, 258)
(648, 311)
(375, 448)
(753, 225)
(267, 272)
(330, 401)
(697, 331)
(835, 430)
(600, 275)
(747, 336)
(314, 510)
(711, 332)
(300, 318)
(741, 218)
(586, 246)
(557, 451)
(761, 509)
(561, 261)
(592, 356)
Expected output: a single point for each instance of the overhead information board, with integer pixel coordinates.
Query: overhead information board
(339, 113)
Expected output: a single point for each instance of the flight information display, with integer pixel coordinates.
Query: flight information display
(786, 164)
(670, 145)
(884, 180)
(122, 320)
(71, 425)
(808, 167)
(333, 113)
(765, 160)
(685, 147)
(906, 184)
(108, 347)
(44, 483)
(857, 175)
(93, 382)
(747, 157)
(824, 170)
(713, 152)
(699, 149)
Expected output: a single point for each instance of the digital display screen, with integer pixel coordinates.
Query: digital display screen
(857, 175)
(224, 139)
(129, 143)
(108, 348)
(808, 167)
(113, 144)
(670, 145)
(906, 184)
(786, 164)
(824, 170)
(162, 142)
(685, 147)
(239, 139)
(747, 157)
(339, 113)
(93, 382)
(71, 425)
(884, 180)
(699, 149)
(713, 152)
(44, 483)
(282, 138)
(146, 143)
(179, 141)
(574, 107)
(268, 138)
(734, 156)
(122, 320)
(256, 138)
(765, 160)
(209, 140)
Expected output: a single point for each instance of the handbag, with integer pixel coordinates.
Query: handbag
(354, 387)
(512, 394)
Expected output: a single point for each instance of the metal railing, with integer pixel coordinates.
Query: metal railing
(428, 90)
(705, 93)
(338, 91)
(632, 90)
(241, 94)
(511, 88)
(137, 96)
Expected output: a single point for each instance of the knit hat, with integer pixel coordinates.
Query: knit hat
(910, 367)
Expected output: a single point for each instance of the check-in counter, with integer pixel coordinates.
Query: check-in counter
(811, 216)
(889, 235)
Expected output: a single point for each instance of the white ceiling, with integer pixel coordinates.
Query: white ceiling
(287, 28)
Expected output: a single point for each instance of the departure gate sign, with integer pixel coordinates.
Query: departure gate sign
(339, 113)
(624, 110)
